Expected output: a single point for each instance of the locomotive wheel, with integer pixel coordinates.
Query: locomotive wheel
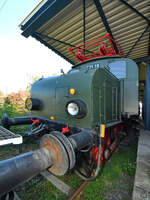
(61, 160)
(68, 146)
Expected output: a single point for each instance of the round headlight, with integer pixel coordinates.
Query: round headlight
(73, 109)
(76, 108)
(28, 104)
(33, 104)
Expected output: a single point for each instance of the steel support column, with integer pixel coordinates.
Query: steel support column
(147, 99)
(149, 46)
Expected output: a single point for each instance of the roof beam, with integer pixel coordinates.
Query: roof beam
(104, 20)
(142, 59)
(51, 38)
(147, 27)
(60, 41)
(36, 36)
(135, 10)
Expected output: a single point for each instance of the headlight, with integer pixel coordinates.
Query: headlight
(28, 104)
(73, 109)
(76, 108)
(33, 104)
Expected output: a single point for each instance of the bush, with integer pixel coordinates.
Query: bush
(16, 98)
(14, 104)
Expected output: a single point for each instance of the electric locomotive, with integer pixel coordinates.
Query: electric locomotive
(81, 116)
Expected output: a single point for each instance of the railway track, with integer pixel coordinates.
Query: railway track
(63, 187)
(78, 190)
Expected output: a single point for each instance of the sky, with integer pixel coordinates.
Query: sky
(22, 58)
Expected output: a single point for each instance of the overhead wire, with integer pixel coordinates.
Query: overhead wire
(2, 6)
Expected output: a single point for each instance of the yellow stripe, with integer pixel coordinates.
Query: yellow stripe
(103, 130)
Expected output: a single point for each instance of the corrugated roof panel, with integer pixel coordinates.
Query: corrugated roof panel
(141, 6)
(77, 28)
(142, 50)
(130, 42)
(129, 47)
(78, 38)
(67, 25)
(138, 51)
(137, 55)
(141, 47)
(73, 11)
(125, 38)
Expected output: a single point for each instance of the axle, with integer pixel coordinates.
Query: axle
(23, 167)
(56, 153)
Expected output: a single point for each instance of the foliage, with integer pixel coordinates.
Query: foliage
(1, 94)
(10, 109)
(14, 104)
(14, 107)
(16, 98)
(129, 167)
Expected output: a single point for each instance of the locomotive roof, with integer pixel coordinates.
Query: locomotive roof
(60, 24)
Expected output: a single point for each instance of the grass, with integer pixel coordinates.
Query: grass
(121, 162)
(46, 191)
(42, 191)
(12, 110)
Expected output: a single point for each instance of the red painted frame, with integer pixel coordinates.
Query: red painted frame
(103, 46)
(106, 142)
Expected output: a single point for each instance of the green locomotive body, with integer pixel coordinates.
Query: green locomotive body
(101, 92)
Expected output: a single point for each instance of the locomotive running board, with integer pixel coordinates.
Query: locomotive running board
(7, 137)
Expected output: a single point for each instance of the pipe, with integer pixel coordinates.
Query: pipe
(81, 140)
(7, 122)
(23, 167)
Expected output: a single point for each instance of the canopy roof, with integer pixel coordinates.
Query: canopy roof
(60, 24)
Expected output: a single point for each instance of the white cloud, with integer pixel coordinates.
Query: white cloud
(23, 58)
